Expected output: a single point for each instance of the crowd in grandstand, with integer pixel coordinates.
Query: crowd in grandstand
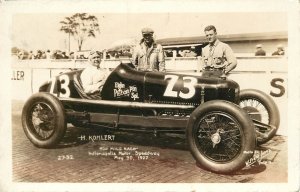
(40, 54)
(169, 52)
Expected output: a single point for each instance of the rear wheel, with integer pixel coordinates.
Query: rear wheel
(221, 136)
(43, 120)
(263, 110)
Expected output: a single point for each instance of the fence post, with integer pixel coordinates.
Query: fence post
(199, 64)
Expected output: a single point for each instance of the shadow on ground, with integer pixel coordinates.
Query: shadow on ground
(163, 140)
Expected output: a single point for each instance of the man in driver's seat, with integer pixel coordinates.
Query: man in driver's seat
(93, 76)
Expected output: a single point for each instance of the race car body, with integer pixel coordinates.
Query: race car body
(221, 134)
(127, 84)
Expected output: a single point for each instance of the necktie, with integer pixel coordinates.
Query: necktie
(210, 58)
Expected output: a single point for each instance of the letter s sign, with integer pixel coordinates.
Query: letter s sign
(277, 83)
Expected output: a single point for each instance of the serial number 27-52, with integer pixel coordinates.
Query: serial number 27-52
(65, 157)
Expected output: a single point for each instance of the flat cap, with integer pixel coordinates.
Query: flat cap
(147, 30)
(259, 45)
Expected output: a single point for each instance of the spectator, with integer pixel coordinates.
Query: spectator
(93, 76)
(126, 53)
(280, 50)
(107, 55)
(191, 52)
(48, 54)
(260, 51)
(117, 55)
(59, 55)
(30, 55)
(168, 53)
(39, 54)
(21, 55)
(148, 55)
(181, 53)
(64, 56)
(53, 55)
(81, 56)
(218, 57)
(112, 55)
(72, 55)
(43, 55)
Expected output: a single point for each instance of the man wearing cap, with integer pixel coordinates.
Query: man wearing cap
(93, 76)
(280, 50)
(147, 55)
(218, 58)
(260, 51)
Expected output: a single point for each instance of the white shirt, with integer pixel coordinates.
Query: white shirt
(93, 79)
(219, 54)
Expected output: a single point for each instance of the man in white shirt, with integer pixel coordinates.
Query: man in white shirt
(217, 56)
(93, 77)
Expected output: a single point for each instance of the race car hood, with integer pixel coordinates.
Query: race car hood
(126, 83)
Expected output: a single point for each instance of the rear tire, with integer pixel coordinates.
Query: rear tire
(221, 136)
(266, 110)
(43, 120)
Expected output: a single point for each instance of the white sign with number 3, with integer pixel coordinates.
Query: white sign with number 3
(64, 85)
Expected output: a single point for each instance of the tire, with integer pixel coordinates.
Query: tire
(221, 136)
(43, 120)
(268, 114)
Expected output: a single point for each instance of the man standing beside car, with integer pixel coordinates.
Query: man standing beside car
(93, 76)
(218, 58)
(147, 55)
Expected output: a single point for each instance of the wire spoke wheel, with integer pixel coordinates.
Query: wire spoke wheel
(260, 107)
(256, 109)
(219, 137)
(42, 119)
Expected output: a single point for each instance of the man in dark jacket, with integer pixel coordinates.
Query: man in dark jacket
(147, 55)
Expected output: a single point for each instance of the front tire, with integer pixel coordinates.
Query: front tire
(262, 108)
(43, 120)
(221, 136)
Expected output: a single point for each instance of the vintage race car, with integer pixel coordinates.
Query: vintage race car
(222, 124)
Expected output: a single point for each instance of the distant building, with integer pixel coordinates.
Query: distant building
(242, 44)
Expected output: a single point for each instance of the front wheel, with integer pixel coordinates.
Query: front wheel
(263, 111)
(43, 120)
(221, 136)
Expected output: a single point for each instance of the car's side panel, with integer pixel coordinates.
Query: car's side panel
(127, 84)
(62, 85)
(124, 84)
(186, 89)
(172, 88)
